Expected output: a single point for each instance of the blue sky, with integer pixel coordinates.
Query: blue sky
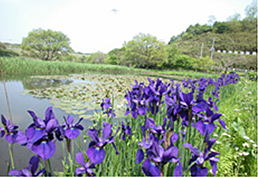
(92, 26)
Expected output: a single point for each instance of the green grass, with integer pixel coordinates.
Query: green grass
(19, 65)
(238, 104)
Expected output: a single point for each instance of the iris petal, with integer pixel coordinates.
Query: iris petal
(80, 159)
(11, 138)
(21, 138)
(45, 149)
(150, 169)
(15, 173)
(80, 171)
(178, 170)
(52, 125)
(96, 154)
(139, 156)
(106, 130)
(70, 120)
(72, 133)
(170, 153)
(34, 162)
(49, 114)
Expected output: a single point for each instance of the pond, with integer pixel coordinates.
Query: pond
(79, 95)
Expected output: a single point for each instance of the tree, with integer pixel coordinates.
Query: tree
(46, 44)
(203, 64)
(4, 52)
(211, 20)
(251, 11)
(97, 58)
(115, 56)
(220, 27)
(145, 51)
(235, 17)
(198, 29)
(173, 52)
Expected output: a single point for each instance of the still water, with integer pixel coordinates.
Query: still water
(19, 104)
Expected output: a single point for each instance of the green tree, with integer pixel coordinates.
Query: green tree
(203, 64)
(115, 56)
(220, 27)
(211, 20)
(173, 52)
(145, 51)
(97, 58)
(46, 44)
(235, 17)
(4, 52)
(251, 11)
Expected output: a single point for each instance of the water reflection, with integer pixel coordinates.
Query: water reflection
(19, 104)
(38, 83)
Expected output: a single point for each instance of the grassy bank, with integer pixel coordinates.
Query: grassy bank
(39, 67)
(238, 146)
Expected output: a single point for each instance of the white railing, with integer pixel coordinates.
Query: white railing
(237, 52)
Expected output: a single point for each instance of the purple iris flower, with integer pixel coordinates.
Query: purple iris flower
(126, 130)
(141, 105)
(44, 147)
(158, 157)
(12, 135)
(30, 170)
(212, 104)
(109, 112)
(208, 123)
(186, 103)
(86, 166)
(159, 89)
(150, 168)
(40, 128)
(105, 103)
(73, 130)
(41, 134)
(178, 171)
(144, 144)
(136, 98)
(200, 106)
(159, 130)
(148, 123)
(173, 139)
(187, 99)
(96, 152)
(2, 132)
(198, 158)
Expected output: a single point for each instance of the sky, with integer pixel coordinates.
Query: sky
(92, 26)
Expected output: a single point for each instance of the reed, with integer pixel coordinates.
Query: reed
(28, 66)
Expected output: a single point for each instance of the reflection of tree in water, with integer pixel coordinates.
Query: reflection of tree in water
(31, 84)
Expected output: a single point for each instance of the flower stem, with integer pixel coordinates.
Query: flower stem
(68, 145)
(50, 168)
(11, 155)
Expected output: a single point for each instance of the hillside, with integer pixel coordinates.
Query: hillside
(229, 36)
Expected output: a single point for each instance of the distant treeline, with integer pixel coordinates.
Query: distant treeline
(193, 49)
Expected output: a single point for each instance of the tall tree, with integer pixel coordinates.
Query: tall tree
(235, 17)
(145, 51)
(97, 58)
(46, 44)
(211, 20)
(251, 10)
